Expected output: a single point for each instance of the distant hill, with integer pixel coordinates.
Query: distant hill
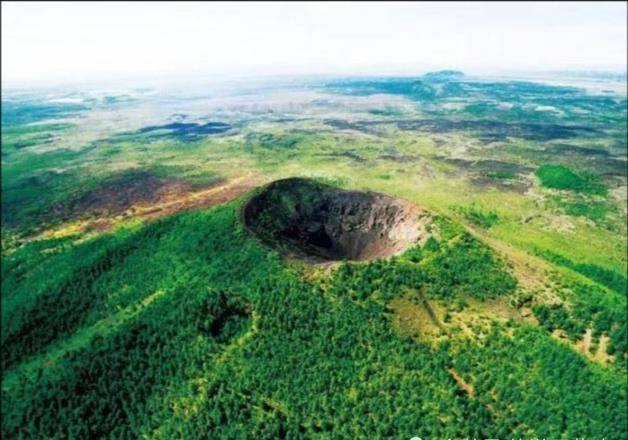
(444, 75)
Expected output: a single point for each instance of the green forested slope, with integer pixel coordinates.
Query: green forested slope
(189, 328)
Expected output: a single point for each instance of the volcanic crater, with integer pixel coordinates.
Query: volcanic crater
(308, 219)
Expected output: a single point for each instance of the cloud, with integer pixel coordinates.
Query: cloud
(82, 41)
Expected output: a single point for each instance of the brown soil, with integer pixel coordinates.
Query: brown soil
(158, 198)
(205, 198)
(466, 386)
(123, 192)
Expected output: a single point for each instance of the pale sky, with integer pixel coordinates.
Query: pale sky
(77, 42)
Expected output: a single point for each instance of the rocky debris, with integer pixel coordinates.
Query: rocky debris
(308, 218)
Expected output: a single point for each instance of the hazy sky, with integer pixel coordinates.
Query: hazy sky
(85, 41)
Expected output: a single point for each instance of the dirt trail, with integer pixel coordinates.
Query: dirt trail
(466, 386)
(584, 345)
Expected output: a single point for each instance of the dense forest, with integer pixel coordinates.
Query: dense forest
(190, 328)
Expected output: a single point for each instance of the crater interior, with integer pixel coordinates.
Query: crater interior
(306, 218)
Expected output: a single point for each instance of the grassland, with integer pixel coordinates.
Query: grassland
(135, 304)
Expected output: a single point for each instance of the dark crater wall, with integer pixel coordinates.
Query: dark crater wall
(306, 218)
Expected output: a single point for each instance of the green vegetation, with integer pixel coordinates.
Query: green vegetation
(561, 177)
(228, 340)
(17, 137)
(478, 216)
(588, 304)
(527, 382)
(443, 270)
(589, 307)
(135, 304)
(594, 211)
(609, 278)
(500, 175)
(272, 142)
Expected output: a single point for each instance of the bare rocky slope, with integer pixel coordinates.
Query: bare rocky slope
(308, 218)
